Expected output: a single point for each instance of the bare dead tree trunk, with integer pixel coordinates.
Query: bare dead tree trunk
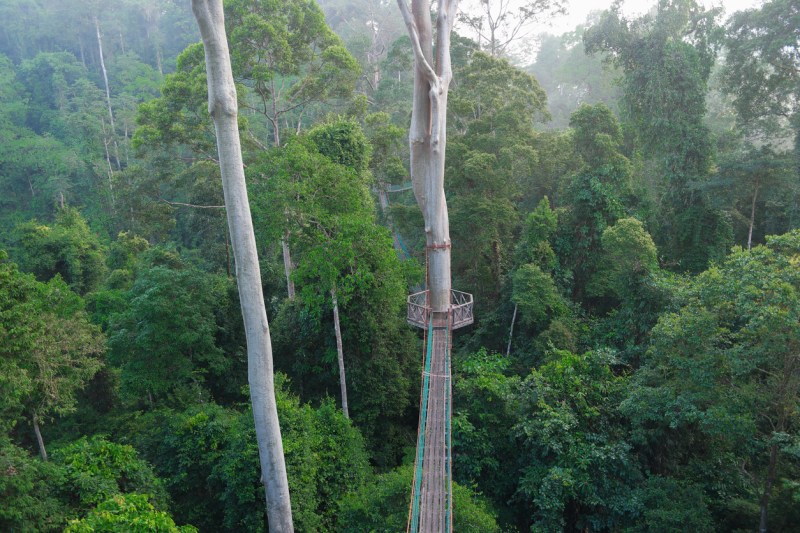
(427, 136)
(223, 108)
(39, 439)
(340, 353)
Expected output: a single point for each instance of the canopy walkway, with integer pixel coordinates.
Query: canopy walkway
(399, 188)
(431, 506)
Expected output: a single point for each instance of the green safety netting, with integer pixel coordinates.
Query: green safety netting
(399, 188)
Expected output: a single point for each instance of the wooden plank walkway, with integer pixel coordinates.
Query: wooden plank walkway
(434, 504)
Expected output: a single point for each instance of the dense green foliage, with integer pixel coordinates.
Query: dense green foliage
(129, 513)
(383, 506)
(627, 371)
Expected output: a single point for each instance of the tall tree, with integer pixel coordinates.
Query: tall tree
(572, 77)
(499, 24)
(367, 27)
(289, 58)
(48, 348)
(344, 143)
(666, 58)
(315, 189)
(164, 340)
(222, 106)
(492, 111)
(433, 489)
(593, 196)
(428, 134)
(720, 387)
(761, 63)
(67, 248)
(108, 89)
(757, 181)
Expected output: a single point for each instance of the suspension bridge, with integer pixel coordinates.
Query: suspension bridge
(431, 507)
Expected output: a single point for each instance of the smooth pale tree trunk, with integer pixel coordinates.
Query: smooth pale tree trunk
(39, 439)
(764, 503)
(159, 60)
(287, 265)
(383, 197)
(376, 49)
(108, 90)
(427, 142)
(152, 15)
(340, 353)
(274, 119)
(110, 168)
(222, 105)
(103, 70)
(227, 256)
(752, 216)
(427, 135)
(511, 331)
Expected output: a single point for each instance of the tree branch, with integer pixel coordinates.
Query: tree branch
(419, 57)
(255, 141)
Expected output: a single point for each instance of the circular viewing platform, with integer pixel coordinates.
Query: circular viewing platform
(461, 314)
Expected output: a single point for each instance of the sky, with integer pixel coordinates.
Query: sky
(579, 9)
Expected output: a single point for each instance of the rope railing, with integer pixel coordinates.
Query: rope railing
(430, 508)
(413, 524)
(448, 443)
(431, 504)
(399, 188)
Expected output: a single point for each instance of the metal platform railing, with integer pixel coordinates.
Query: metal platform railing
(461, 309)
(418, 309)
